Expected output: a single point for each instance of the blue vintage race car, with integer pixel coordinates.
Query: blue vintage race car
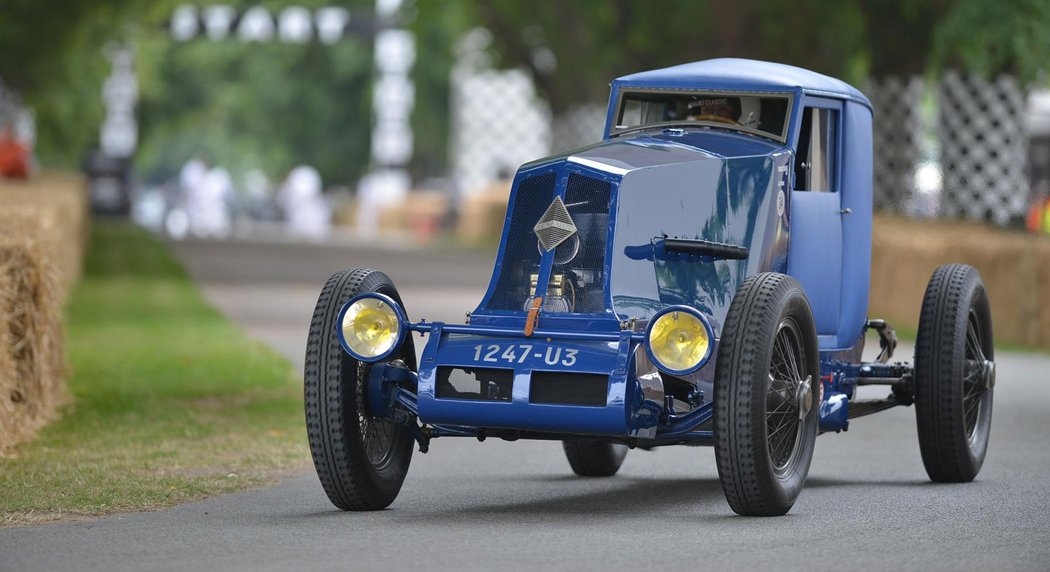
(699, 277)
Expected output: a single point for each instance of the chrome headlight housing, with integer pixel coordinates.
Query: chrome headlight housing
(679, 340)
(371, 326)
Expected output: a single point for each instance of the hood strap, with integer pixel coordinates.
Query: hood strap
(534, 315)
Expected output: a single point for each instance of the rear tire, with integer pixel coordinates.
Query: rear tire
(361, 460)
(766, 396)
(594, 458)
(954, 357)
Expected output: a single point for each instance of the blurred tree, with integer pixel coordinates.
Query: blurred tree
(53, 55)
(994, 37)
(593, 41)
(899, 34)
(268, 106)
(277, 105)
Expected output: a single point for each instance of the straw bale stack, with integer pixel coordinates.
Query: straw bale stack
(481, 215)
(1015, 267)
(425, 213)
(43, 227)
(59, 203)
(32, 381)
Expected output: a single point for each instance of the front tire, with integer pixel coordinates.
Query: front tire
(360, 459)
(594, 458)
(954, 374)
(766, 396)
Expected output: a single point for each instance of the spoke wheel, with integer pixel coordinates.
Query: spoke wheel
(377, 433)
(975, 382)
(786, 399)
(954, 374)
(360, 459)
(765, 396)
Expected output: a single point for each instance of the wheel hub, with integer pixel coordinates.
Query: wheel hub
(804, 397)
(988, 373)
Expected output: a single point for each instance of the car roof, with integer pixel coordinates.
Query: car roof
(735, 74)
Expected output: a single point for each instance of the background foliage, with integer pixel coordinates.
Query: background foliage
(274, 106)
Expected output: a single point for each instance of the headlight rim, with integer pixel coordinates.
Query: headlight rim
(402, 322)
(707, 328)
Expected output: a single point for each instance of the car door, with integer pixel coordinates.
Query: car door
(815, 247)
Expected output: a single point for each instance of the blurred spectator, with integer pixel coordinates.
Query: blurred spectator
(305, 209)
(375, 192)
(259, 203)
(177, 222)
(208, 203)
(191, 175)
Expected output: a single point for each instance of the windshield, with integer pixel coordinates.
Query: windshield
(755, 113)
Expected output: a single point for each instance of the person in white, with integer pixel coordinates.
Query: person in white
(305, 208)
(176, 221)
(208, 204)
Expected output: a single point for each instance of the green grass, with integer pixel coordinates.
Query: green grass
(171, 402)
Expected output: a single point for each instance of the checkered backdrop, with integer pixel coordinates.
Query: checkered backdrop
(577, 127)
(973, 135)
(983, 148)
(898, 133)
(498, 124)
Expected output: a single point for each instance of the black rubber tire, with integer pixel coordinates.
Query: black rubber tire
(333, 400)
(954, 294)
(764, 305)
(594, 458)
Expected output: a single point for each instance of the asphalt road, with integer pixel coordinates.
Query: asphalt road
(497, 505)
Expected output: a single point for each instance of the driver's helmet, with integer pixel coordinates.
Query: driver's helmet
(719, 109)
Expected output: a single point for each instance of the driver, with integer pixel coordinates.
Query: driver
(717, 109)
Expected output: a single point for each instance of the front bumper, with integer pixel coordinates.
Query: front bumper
(541, 383)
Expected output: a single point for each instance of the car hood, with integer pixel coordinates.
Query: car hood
(696, 184)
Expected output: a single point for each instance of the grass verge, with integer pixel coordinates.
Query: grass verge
(171, 401)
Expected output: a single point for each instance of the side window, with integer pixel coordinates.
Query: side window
(815, 162)
(630, 114)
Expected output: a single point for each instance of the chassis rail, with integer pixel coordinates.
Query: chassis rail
(392, 394)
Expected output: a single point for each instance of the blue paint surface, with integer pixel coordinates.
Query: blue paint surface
(697, 182)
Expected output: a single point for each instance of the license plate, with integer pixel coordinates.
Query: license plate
(519, 353)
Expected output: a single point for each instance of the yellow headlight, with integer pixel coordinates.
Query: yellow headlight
(678, 341)
(371, 327)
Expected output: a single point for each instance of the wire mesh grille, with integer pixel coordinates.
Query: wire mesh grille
(521, 257)
(587, 200)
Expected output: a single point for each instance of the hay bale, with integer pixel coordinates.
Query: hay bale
(392, 218)
(481, 215)
(425, 213)
(59, 202)
(1042, 294)
(32, 365)
(43, 236)
(1014, 267)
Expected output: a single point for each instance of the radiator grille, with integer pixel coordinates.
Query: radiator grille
(521, 257)
(578, 227)
(587, 201)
